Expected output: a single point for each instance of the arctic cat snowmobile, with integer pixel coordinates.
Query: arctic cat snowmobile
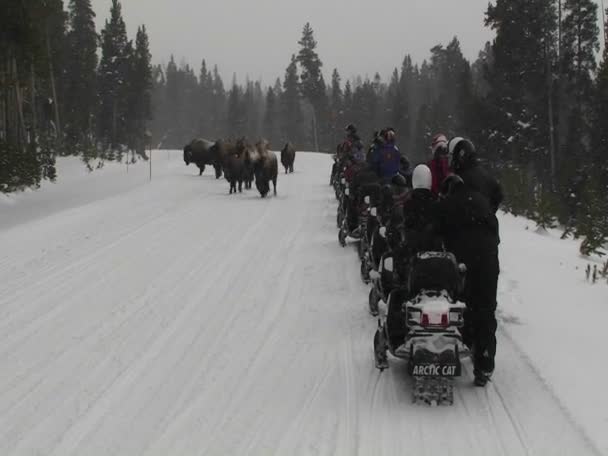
(421, 324)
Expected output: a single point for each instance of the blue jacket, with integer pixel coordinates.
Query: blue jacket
(386, 160)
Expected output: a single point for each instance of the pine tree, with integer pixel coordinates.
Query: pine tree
(218, 105)
(580, 41)
(593, 222)
(290, 101)
(205, 84)
(271, 118)
(524, 51)
(337, 107)
(81, 75)
(235, 117)
(113, 79)
(599, 152)
(313, 86)
(140, 88)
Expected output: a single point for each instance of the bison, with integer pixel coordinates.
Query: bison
(265, 167)
(288, 156)
(201, 152)
(233, 162)
(250, 155)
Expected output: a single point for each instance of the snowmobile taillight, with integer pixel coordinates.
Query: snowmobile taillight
(425, 320)
(442, 321)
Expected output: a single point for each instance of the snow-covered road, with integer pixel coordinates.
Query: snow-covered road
(174, 319)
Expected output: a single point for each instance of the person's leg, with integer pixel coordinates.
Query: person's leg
(483, 299)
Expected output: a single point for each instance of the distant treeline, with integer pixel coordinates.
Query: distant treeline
(535, 102)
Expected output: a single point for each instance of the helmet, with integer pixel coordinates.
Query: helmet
(422, 177)
(388, 135)
(399, 181)
(460, 151)
(350, 128)
(439, 142)
(450, 184)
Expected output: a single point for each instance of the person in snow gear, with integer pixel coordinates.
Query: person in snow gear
(352, 147)
(420, 224)
(386, 158)
(421, 217)
(439, 164)
(469, 227)
(464, 162)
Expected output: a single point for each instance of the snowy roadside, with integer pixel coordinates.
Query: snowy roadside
(557, 319)
(76, 186)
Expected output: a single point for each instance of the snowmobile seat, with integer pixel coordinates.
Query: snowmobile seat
(435, 271)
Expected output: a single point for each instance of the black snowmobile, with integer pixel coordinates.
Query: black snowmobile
(421, 324)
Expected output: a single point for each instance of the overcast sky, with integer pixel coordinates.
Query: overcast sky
(257, 37)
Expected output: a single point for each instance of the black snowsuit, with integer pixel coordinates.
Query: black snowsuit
(477, 179)
(421, 220)
(421, 233)
(470, 231)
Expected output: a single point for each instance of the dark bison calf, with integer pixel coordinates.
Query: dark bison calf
(233, 163)
(266, 169)
(288, 157)
(201, 152)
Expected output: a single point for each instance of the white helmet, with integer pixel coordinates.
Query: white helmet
(422, 177)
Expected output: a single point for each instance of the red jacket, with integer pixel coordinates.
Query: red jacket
(440, 169)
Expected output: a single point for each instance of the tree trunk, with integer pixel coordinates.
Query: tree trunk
(4, 99)
(52, 77)
(114, 115)
(34, 128)
(551, 121)
(19, 103)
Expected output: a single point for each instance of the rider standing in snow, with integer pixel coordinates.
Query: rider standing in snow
(469, 227)
(439, 164)
(464, 162)
(386, 158)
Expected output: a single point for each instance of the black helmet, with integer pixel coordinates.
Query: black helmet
(350, 128)
(450, 184)
(461, 152)
(399, 181)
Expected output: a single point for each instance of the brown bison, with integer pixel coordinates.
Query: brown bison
(288, 156)
(250, 155)
(233, 162)
(265, 168)
(201, 152)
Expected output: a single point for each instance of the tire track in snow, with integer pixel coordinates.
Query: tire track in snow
(102, 407)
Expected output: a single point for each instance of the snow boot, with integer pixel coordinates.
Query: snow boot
(481, 377)
(380, 349)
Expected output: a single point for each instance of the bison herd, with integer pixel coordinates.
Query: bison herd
(241, 162)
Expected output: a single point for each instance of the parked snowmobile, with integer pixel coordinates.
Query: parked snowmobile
(421, 324)
(368, 222)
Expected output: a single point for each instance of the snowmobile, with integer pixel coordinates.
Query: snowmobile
(421, 324)
(383, 279)
(368, 221)
(345, 231)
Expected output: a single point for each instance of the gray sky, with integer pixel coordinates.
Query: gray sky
(257, 37)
